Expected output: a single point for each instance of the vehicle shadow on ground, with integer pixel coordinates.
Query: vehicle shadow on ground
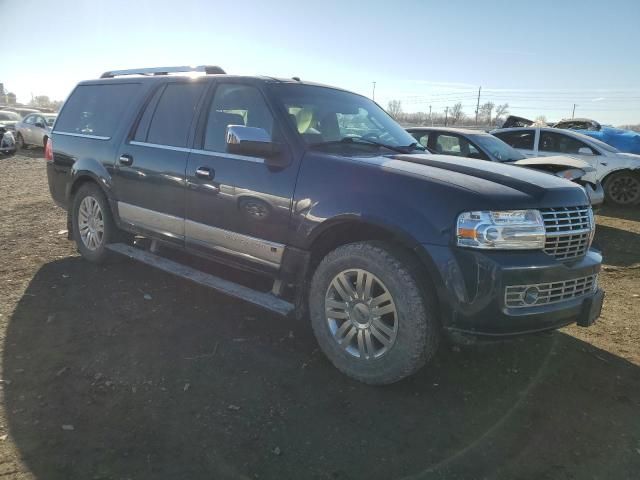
(623, 213)
(619, 247)
(101, 382)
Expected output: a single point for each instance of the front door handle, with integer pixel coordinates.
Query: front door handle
(125, 160)
(204, 172)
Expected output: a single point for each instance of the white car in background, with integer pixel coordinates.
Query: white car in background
(619, 172)
(34, 129)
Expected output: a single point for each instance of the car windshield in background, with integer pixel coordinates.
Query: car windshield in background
(328, 117)
(50, 119)
(497, 148)
(601, 144)
(11, 116)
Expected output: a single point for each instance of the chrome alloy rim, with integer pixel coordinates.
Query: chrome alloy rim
(625, 190)
(361, 314)
(91, 223)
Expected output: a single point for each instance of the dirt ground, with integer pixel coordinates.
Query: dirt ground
(122, 372)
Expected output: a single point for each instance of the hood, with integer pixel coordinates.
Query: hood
(489, 180)
(556, 161)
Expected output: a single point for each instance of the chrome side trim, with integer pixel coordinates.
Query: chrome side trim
(232, 156)
(251, 248)
(163, 147)
(81, 135)
(151, 220)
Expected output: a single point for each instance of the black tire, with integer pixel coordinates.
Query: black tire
(99, 254)
(20, 142)
(416, 312)
(622, 188)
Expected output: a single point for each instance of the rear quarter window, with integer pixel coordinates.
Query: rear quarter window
(96, 109)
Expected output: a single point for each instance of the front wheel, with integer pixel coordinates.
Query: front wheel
(93, 225)
(623, 188)
(373, 313)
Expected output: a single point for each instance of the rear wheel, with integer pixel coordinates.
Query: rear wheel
(93, 225)
(623, 188)
(373, 314)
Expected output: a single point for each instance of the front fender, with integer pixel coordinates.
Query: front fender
(387, 212)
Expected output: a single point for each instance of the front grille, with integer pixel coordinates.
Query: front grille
(546, 293)
(568, 231)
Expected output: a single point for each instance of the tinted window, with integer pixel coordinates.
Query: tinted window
(96, 109)
(523, 139)
(174, 113)
(557, 142)
(235, 105)
(145, 120)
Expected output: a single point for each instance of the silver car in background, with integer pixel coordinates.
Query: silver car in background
(34, 129)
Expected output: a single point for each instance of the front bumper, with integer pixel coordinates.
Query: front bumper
(472, 285)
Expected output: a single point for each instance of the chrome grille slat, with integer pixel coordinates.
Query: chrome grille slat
(568, 231)
(549, 293)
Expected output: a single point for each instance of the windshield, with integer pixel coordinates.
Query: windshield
(601, 144)
(324, 116)
(9, 116)
(498, 149)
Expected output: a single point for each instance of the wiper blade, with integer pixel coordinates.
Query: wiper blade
(362, 141)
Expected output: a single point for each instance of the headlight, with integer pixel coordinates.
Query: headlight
(572, 174)
(507, 230)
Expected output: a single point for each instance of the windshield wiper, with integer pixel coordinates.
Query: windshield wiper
(366, 141)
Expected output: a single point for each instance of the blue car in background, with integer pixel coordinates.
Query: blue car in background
(626, 141)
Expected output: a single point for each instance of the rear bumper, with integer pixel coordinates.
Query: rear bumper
(472, 287)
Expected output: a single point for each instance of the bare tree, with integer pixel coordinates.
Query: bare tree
(456, 113)
(395, 109)
(486, 112)
(540, 120)
(501, 111)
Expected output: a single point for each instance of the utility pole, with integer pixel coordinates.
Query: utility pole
(373, 95)
(574, 111)
(446, 115)
(430, 117)
(478, 104)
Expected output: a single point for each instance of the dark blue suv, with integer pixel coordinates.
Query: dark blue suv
(384, 246)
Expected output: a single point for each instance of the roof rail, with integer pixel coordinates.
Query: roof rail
(208, 69)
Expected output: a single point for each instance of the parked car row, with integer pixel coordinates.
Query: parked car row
(483, 146)
(24, 127)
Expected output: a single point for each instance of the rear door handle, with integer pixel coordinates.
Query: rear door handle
(204, 172)
(125, 160)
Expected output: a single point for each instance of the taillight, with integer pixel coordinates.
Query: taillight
(48, 151)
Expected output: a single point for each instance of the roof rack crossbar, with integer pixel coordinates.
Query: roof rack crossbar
(208, 69)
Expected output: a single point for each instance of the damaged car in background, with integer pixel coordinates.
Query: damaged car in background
(8, 121)
(618, 172)
(477, 144)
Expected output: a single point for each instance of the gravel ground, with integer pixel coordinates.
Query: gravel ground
(122, 372)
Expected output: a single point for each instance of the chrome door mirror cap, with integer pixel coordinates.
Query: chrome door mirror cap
(251, 141)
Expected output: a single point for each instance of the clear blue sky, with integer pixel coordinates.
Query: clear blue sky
(539, 56)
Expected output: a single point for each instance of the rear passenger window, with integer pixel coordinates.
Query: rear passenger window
(173, 114)
(95, 109)
(523, 139)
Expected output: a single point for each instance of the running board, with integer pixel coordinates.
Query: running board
(261, 299)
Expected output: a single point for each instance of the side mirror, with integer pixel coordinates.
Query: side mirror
(585, 151)
(39, 124)
(251, 141)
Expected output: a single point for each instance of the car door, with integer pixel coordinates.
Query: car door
(39, 130)
(237, 207)
(553, 143)
(522, 139)
(149, 181)
(27, 128)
